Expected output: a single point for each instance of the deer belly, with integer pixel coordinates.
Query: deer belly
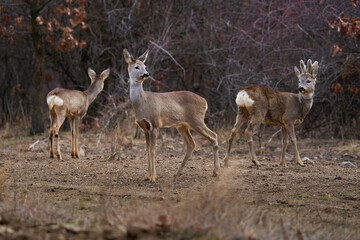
(75, 113)
(272, 123)
(168, 123)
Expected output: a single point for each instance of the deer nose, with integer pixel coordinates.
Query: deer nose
(301, 89)
(145, 75)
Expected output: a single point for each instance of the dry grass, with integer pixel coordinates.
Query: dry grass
(214, 213)
(3, 177)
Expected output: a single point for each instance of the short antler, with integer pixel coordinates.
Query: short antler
(302, 67)
(310, 68)
(314, 69)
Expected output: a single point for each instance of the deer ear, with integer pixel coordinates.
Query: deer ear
(144, 56)
(315, 69)
(128, 57)
(302, 66)
(297, 72)
(105, 74)
(92, 74)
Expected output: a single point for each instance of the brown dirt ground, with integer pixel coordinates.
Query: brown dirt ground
(102, 195)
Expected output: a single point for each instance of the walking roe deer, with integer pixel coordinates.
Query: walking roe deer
(263, 105)
(182, 110)
(74, 105)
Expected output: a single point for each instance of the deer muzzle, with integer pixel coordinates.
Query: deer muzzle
(301, 89)
(145, 75)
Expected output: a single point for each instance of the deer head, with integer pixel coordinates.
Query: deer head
(307, 77)
(98, 80)
(136, 68)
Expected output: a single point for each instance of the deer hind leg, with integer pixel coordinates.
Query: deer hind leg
(58, 122)
(240, 120)
(72, 127)
(52, 134)
(290, 129)
(251, 129)
(284, 145)
(76, 137)
(212, 137)
(184, 131)
(154, 132)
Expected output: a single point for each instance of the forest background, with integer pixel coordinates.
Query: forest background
(210, 47)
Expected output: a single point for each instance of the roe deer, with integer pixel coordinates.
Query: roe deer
(182, 110)
(261, 104)
(74, 105)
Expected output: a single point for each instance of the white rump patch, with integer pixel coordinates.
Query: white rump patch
(206, 108)
(57, 101)
(243, 99)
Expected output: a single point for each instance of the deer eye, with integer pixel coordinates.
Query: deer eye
(308, 81)
(137, 67)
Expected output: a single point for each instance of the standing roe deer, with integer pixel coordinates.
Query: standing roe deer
(286, 110)
(74, 105)
(182, 110)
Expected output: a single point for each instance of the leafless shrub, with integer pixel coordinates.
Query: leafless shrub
(210, 48)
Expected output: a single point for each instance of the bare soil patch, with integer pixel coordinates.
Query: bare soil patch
(102, 195)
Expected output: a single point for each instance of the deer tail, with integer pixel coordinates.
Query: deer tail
(54, 100)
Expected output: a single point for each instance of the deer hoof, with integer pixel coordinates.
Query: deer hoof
(51, 155)
(256, 162)
(176, 175)
(283, 164)
(301, 164)
(216, 173)
(152, 179)
(147, 177)
(59, 157)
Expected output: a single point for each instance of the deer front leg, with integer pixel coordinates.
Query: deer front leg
(291, 131)
(184, 131)
(284, 146)
(147, 137)
(146, 127)
(153, 137)
(76, 137)
(240, 120)
(249, 133)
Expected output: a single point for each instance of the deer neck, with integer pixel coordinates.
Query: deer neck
(306, 103)
(92, 92)
(136, 92)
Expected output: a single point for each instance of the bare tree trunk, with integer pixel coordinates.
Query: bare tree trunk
(37, 95)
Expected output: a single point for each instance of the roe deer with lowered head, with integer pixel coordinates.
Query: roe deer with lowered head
(182, 110)
(263, 105)
(74, 105)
